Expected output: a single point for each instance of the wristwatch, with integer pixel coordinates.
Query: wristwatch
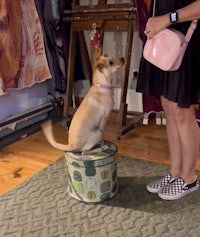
(173, 16)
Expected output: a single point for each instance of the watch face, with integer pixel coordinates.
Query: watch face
(173, 17)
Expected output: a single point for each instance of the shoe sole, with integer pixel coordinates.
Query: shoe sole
(152, 190)
(171, 198)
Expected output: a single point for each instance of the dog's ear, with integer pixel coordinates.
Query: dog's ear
(100, 66)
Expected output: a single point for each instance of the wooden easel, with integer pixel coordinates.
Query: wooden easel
(108, 17)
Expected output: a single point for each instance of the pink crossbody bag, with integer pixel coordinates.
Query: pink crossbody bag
(167, 48)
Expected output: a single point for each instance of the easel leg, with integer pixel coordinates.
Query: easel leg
(70, 74)
(85, 56)
(123, 110)
(123, 104)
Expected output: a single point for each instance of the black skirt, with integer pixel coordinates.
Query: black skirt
(181, 86)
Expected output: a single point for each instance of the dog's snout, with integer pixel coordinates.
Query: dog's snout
(122, 60)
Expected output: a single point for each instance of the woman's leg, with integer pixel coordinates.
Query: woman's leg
(183, 140)
(188, 130)
(183, 132)
(173, 138)
(174, 148)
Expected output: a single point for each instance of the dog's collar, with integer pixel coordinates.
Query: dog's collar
(109, 87)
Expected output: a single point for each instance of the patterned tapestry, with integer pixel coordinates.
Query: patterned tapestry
(22, 55)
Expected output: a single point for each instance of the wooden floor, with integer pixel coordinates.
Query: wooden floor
(26, 157)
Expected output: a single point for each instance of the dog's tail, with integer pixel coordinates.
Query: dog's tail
(47, 129)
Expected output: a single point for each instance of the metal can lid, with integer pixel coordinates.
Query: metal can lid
(98, 156)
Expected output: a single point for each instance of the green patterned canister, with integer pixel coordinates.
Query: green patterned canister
(92, 178)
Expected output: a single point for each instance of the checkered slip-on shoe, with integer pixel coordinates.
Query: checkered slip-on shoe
(157, 185)
(177, 189)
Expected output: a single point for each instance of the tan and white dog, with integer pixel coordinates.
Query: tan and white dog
(88, 123)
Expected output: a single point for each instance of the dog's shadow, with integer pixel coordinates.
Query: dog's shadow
(132, 194)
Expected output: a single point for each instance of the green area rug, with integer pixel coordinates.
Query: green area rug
(42, 207)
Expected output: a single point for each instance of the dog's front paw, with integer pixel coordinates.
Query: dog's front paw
(104, 147)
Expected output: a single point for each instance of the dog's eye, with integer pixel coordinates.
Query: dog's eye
(110, 63)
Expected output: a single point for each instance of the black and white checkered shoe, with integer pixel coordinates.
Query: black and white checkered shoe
(157, 185)
(177, 189)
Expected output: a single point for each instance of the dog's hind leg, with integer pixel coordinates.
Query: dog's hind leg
(93, 140)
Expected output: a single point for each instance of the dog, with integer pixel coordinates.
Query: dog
(88, 123)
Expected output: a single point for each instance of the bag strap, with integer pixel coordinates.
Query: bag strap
(191, 29)
(154, 8)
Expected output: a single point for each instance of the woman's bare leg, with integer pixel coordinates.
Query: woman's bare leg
(173, 139)
(183, 139)
(189, 139)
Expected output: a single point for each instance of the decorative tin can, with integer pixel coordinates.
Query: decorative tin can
(93, 178)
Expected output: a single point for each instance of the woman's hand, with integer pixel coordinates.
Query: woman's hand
(156, 24)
